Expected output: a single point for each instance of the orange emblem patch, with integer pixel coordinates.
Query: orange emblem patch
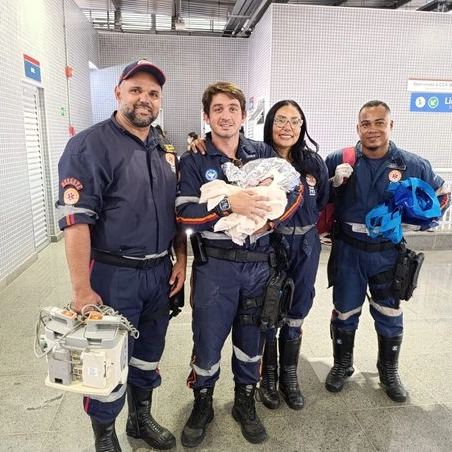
(311, 180)
(394, 175)
(71, 196)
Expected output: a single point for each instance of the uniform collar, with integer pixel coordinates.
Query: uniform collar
(392, 148)
(245, 150)
(212, 150)
(150, 141)
(394, 156)
(115, 122)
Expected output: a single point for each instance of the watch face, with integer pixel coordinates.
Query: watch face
(224, 205)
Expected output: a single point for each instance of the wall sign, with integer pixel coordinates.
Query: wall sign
(431, 102)
(32, 68)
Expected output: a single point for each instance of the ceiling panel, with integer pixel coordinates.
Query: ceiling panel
(235, 18)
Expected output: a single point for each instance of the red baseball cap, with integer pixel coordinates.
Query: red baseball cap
(143, 66)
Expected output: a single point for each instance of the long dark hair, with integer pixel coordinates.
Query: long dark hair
(300, 153)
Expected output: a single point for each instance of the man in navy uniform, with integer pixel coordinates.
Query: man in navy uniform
(116, 207)
(229, 280)
(359, 261)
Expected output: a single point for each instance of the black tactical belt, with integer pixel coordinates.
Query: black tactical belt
(365, 246)
(120, 261)
(236, 255)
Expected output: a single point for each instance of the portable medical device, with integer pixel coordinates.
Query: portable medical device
(85, 354)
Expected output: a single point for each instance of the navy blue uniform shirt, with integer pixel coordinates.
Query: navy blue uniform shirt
(367, 186)
(123, 187)
(197, 169)
(316, 193)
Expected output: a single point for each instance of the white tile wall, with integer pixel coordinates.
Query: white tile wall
(190, 64)
(331, 60)
(38, 29)
(260, 68)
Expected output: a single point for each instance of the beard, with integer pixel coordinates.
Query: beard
(137, 121)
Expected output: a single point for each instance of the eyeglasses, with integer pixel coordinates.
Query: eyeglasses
(281, 121)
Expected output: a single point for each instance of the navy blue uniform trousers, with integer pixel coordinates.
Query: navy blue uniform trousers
(135, 293)
(354, 273)
(218, 287)
(303, 264)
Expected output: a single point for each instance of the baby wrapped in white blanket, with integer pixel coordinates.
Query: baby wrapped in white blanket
(271, 177)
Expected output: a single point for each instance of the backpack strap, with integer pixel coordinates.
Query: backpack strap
(326, 217)
(349, 155)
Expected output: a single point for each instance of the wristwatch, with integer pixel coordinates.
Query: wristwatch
(224, 206)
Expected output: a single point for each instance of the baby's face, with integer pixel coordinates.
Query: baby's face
(266, 182)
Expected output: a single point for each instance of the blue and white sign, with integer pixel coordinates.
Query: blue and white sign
(32, 68)
(431, 102)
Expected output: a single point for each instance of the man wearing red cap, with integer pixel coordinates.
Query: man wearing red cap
(116, 207)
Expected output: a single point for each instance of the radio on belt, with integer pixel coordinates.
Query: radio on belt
(86, 355)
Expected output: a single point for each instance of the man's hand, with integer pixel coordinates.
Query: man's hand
(342, 173)
(80, 299)
(198, 145)
(246, 202)
(177, 277)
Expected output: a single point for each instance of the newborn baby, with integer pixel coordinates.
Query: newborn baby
(271, 177)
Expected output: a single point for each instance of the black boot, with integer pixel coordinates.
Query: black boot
(388, 363)
(244, 412)
(267, 387)
(289, 352)
(140, 423)
(343, 342)
(105, 437)
(201, 415)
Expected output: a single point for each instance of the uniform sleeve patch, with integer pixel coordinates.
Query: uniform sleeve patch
(73, 182)
(71, 196)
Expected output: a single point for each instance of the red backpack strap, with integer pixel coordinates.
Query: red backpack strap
(349, 155)
(326, 217)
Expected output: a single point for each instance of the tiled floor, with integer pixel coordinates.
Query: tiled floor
(34, 417)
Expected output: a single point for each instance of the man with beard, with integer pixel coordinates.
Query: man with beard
(116, 207)
(357, 260)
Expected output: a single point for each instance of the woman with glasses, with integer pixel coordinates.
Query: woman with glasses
(285, 130)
